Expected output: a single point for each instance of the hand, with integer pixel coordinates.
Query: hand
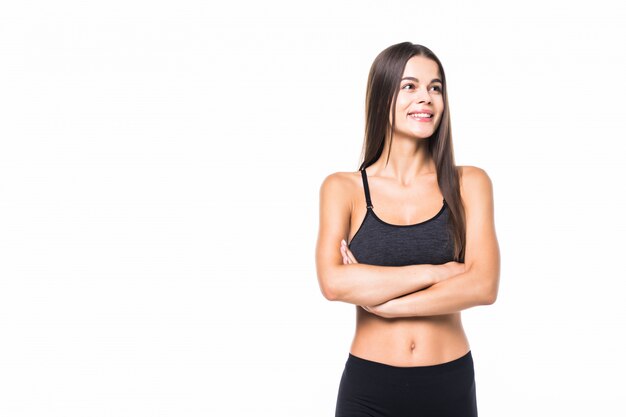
(348, 257)
(383, 310)
(448, 270)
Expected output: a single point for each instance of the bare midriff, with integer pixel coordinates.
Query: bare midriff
(409, 341)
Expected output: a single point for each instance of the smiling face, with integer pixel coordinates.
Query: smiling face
(421, 90)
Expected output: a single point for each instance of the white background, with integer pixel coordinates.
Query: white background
(160, 166)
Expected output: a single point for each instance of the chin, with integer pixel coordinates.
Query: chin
(423, 135)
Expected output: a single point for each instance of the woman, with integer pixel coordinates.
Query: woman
(422, 248)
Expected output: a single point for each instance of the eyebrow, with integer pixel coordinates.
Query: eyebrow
(415, 79)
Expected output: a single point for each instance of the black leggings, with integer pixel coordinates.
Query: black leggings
(375, 389)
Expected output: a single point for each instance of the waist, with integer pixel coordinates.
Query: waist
(413, 341)
(462, 363)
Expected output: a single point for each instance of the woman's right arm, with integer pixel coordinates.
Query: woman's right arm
(359, 284)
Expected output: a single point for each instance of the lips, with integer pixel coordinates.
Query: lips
(421, 116)
(421, 113)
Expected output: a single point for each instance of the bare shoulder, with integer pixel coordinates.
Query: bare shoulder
(343, 178)
(338, 179)
(339, 186)
(475, 183)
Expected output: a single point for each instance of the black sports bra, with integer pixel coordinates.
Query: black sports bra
(377, 242)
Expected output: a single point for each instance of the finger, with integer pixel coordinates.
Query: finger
(344, 256)
(351, 256)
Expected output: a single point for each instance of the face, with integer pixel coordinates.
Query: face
(420, 91)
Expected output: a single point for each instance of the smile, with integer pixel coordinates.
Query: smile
(421, 117)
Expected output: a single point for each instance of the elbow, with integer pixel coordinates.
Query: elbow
(332, 284)
(490, 298)
(328, 292)
(484, 288)
(490, 292)
(326, 286)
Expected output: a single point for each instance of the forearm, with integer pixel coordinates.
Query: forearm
(456, 293)
(364, 284)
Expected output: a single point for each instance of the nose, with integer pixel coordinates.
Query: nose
(423, 95)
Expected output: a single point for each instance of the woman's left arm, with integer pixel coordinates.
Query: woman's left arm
(478, 285)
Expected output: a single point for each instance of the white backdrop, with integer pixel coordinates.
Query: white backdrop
(160, 166)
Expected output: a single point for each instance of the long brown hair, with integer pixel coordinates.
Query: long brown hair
(382, 91)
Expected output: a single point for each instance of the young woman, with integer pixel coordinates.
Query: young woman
(422, 248)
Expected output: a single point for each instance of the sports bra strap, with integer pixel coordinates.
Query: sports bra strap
(366, 187)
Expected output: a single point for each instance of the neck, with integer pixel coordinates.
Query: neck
(408, 160)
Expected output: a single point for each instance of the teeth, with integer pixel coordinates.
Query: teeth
(421, 115)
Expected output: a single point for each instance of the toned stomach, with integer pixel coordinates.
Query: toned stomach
(410, 341)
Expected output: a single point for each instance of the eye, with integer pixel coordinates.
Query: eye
(437, 88)
(407, 85)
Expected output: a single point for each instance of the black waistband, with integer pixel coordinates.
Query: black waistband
(464, 362)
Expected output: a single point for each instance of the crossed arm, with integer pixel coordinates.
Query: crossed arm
(478, 283)
(424, 290)
(453, 291)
